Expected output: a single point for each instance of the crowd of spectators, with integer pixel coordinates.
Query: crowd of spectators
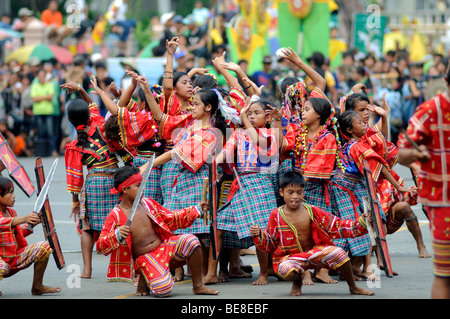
(32, 105)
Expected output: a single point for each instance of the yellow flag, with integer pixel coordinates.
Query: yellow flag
(418, 48)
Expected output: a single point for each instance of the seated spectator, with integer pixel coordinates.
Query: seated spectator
(200, 14)
(197, 37)
(53, 19)
(51, 16)
(21, 148)
(26, 20)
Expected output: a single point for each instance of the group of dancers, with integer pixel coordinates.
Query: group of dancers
(290, 179)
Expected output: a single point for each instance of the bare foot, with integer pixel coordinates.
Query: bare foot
(423, 252)
(223, 277)
(296, 289)
(238, 273)
(382, 268)
(179, 274)
(203, 290)
(45, 290)
(246, 268)
(368, 275)
(261, 280)
(210, 279)
(361, 291)
(85, 276)
(323, 276)
(307, 278)
(142, 288)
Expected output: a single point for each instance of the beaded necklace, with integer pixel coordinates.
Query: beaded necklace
(303, 145)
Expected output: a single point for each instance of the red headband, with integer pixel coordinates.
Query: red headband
(133, 179)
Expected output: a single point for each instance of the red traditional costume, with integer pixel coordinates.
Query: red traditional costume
(280, 237)
(15, 253)
(256, 167)
(170, 169)
(121, 265)
(96, 155)
(139, 130)
(389, 195)
(191, 150)
(155, 265)
(430, 126)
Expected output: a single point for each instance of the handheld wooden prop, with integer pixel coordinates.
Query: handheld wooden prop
(377, 221)
(139, 193)
(47, 218)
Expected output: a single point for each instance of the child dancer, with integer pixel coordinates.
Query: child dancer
(149, 239)
(15, 253)
(257, 159)
(316, 155)
(90, 195)
(348, 186)
(130, 121)
(300, 237)
(396, 206)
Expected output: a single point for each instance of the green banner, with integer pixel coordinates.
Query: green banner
(368, 33)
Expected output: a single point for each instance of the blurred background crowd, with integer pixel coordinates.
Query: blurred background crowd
(399, 52)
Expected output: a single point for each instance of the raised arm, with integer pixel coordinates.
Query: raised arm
(127, 94)
(277, 114)
(171, 48)
(290, 55)
(223, 68)
(75, 87)
(109, 103)
(154, 107)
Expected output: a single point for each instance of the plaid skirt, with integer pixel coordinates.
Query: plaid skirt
(347, 203)
(317, 193)
(168, 174)
(187, 192)
(152, 188)
(285, 166)
(234, 217)
(96, 200)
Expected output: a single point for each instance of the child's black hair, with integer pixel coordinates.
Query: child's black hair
(353, 99)
(112, 129)
(264, 105)
(123, 173)
(345, 121)
(177, 76)
(142, 97)
(209, 97)
(287, 82)
(322, 107)
(78, 114)
(5, 185)
(205, 81)
(292, 178)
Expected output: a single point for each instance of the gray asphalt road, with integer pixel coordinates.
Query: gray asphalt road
(414, 280)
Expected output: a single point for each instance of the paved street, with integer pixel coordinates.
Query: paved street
(414, 280)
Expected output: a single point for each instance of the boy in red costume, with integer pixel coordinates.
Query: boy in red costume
(300, 237)
(15, 253)
(155, 249)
